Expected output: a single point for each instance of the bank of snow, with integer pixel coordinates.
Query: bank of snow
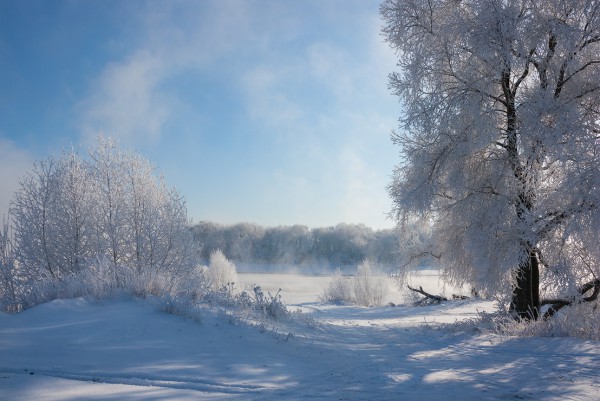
(128, 349)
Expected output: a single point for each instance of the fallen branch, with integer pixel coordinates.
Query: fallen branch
(558, 304)
(435, 298)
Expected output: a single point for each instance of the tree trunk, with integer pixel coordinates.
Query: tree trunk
(526, 294)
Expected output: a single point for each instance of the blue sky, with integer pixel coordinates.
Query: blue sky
(271, 112)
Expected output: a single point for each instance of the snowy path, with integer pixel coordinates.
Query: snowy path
(430, 364)
(125, 349)
(405, 345)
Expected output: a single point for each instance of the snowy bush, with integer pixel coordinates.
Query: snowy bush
(102, 279)
(180, 306)
(250, 300)
(370, 287)
(98, 280)
(224, 297)
(339, 289)
(578, 320)
(270, 305)
(194, 284)
(221, 272)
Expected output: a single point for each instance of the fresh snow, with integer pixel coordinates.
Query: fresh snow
(129, 349)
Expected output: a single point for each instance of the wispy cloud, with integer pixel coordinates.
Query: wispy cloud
(133, 98)
(126, 101)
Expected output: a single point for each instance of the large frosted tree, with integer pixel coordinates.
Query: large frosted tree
(500, 140)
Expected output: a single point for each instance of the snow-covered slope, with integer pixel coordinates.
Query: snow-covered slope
(127, 349)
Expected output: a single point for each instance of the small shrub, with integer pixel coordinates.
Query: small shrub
(195, 284)
(221, 272)
(180, 306)
(578, 320)
(270, 305)
(223, 297)
(267, 305)
(339, 289)
(370, 288)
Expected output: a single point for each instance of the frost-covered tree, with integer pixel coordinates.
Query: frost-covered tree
(71, 213)
(141, 198)
(34, 212)
(51, 213)
(108, 177)
(172, 245)
(72, 227)
(500, 139)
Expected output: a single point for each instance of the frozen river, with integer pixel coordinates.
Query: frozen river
(303, 288)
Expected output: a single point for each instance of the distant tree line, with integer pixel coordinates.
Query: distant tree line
(343, 244)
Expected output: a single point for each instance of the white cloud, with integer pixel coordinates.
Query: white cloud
(126, 101)
(14, 163)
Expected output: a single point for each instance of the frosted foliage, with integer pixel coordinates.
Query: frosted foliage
(370, 286)
(34, 211)
(339, 289)
(221, 272)
(580, 320)
(51, 211)
(499, 135)
(69, 213)
(73, 237)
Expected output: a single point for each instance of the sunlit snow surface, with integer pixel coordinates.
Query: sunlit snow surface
(126, 349)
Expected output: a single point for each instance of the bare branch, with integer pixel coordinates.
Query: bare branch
(435, 298)
(558, 304)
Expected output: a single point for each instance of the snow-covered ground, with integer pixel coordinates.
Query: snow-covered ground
(127, 349)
